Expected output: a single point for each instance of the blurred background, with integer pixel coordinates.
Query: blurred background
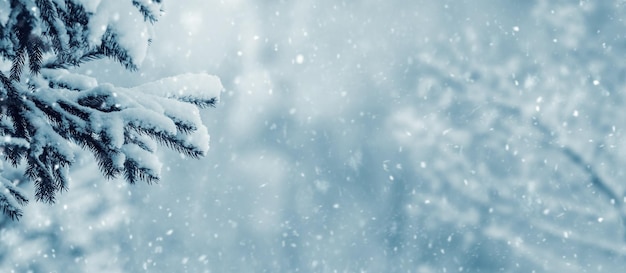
(367, 136)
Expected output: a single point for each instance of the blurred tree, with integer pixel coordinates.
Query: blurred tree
(47, 111)
(490, 143)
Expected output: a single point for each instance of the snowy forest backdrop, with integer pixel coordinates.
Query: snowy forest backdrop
(374, 136)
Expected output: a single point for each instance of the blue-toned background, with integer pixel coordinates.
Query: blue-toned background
(367, 136)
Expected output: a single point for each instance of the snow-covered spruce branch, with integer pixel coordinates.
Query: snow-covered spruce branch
(120, 126)
(48, 112)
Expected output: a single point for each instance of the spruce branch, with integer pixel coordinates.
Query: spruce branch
(112, 49)
(48, 112)
(14, 150)
(200, 102)
(19, 196)
(11, 198)
(52, 24)
(141, 141)
(145, 10)
(18, 64)
(170, 141)
(35, 55)
(65, 61)
(133, 173)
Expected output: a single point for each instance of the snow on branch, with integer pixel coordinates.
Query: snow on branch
(120, 126)
(199, 89)
(48, 112)
(11, 199)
